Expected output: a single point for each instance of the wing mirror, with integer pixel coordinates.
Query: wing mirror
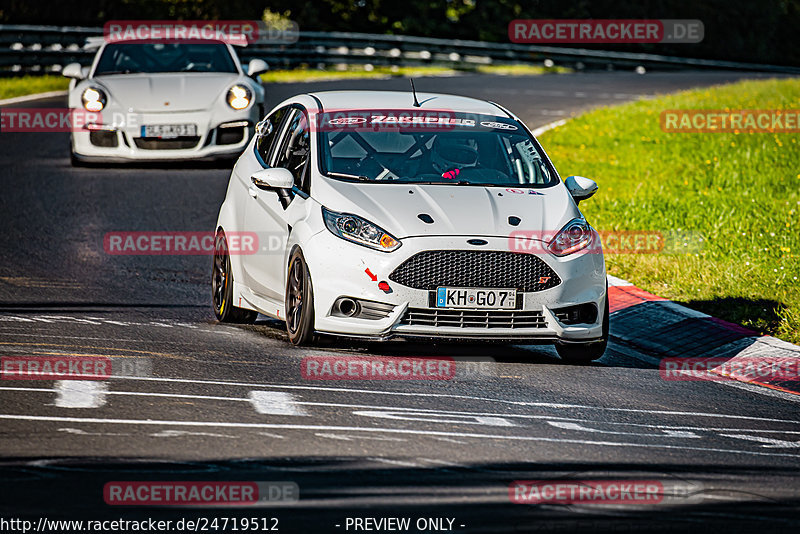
(256, 67)
(274, 178)
(580, 188)
(73, 70)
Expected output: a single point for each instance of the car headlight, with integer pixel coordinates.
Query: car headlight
(94, 99)
(576, 235)
(239, 97)
(354, 228)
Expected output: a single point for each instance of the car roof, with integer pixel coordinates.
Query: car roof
(353, 100)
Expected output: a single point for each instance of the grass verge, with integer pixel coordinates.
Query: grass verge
(358, 71)
(29, 85)
(738, 192)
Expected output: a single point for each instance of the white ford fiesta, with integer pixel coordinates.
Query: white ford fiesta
(164, 101)
(387, 214)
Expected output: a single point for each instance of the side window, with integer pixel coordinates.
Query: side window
(272, 127)
(294, 153)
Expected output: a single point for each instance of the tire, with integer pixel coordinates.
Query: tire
(75, 162)
(583, 353)
(222, 286)
(299, 301)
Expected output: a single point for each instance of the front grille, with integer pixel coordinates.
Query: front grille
(178, 143)
(473, 318)
(469, 268)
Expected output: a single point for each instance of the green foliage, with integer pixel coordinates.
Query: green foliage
(27, 85)
(739, 192)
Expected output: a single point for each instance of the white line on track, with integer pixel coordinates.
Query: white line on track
(228, 424)
(275, 403)
(431, 411)
(451, 396)
(80, 394)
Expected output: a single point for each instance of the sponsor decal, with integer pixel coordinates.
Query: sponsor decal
(498, 125)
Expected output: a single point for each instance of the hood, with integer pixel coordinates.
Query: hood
(455, 210)
(150, 92)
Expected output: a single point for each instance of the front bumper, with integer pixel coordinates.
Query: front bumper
(339, 269)
(220, 135)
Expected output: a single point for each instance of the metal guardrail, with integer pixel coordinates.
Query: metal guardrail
(41, 49)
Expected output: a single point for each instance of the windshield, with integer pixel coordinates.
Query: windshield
(127, 58)
(448, 148)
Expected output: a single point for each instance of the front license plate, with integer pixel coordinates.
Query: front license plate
(460, 297)
(167, 131)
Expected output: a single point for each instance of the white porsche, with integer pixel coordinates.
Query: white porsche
(164, 101)
(388, 214)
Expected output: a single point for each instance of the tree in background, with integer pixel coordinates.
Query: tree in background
(744, 30)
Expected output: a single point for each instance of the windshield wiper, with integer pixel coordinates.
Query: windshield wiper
(359, 177)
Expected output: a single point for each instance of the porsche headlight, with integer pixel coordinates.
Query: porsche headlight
(94, 99)
(576, 235)
(354, 228)
(239, 97)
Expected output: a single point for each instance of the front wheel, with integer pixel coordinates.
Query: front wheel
(299, 301)
(222, 286)
(583, 353)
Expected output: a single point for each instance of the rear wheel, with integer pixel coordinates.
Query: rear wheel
(222, 286)
(582, 353)
(299, 301)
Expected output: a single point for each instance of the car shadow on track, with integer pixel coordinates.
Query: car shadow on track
(499, 352)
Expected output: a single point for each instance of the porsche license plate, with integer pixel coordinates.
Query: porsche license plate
(461, 297)
(167, 131)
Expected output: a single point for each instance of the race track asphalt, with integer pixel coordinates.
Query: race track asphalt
(208, 401)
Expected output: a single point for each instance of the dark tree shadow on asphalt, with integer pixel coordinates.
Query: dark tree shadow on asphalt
(710, 498)
(761, 315)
